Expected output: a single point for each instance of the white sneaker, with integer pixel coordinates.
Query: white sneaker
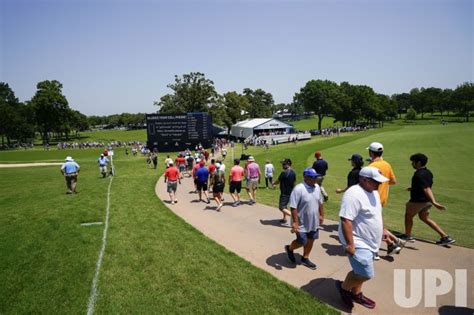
(219, 207)
(172, 202)
(376, 257)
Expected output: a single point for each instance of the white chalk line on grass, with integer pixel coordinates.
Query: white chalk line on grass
(95, 281)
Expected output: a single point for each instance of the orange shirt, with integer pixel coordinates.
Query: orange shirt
(386, 170)
(236, 173)
(172, 173)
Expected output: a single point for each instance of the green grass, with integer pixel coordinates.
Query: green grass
(449, 149)
(312, 123)
(154, 261)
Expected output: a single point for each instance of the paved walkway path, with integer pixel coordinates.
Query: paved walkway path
(254, 233)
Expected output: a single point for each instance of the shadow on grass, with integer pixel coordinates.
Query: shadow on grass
(325, 290)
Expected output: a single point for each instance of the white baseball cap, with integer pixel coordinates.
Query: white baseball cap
(374, 173)
(375, 147)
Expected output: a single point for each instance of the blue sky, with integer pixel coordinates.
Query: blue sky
(118, 56)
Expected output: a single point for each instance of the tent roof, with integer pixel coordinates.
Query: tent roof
(255, 122)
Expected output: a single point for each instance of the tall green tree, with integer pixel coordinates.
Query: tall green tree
(233, 105)
(319, 97)
(260, 103)
(192, 92)
(50, 107)
(464, 99)
(14, 117)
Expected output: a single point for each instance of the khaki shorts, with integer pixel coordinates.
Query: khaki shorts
(417, 207)
(252, 183)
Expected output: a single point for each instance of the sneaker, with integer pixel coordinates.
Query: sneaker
(283, 221)
(445, 241)
(346, 296)
(363, 300)
(376, 257)
(172, 202)
(407, 238)
(393, 249)
(401, 243)
(219, 207)
(308, 263)
(291, 255)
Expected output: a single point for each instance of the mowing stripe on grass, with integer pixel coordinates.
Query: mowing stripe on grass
(91, 223)
(95, 281)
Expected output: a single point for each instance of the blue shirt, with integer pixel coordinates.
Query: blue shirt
(70, 167)
(202, 174)
(320, 166)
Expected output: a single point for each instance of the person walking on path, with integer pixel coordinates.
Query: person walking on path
(235, 179)
(172, 179)
(394, 244)
(252, 172)
(286, 180)
(218, 184)
(360, 232)
(268, 173)
(202, 179)
(70, 170)
(321, 167)
(353, 177)
(421, 200)
(103, 161)
(307, 213)
(154, 159)
(167, 161)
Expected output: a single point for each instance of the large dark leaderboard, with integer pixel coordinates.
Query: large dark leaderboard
(176, 132)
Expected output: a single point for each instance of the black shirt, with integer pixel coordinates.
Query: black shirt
(287, 181)
(422, 179)
(353, 177)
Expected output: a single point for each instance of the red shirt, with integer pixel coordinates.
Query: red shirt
(180, 161)
(195, 168)
(236, 173)
(172, 173)
(211, 168)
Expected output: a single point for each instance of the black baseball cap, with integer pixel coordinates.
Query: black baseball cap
(356, 158)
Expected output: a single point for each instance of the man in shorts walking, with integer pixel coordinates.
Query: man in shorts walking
(421, 200)
(394, 244)
(360, 232)
(307, 213)
(171, 179)
(253, 174)
(202, 180)
(235, 182)
(287, 181)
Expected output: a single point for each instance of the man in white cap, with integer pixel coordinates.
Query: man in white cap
(252, 173)
(70, 170)
(360, 232)
(394, 244)
(103, 161)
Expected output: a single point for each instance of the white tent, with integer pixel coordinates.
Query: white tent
(250, 127)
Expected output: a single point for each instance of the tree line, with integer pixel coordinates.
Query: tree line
(346, 103)
(48, 112)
